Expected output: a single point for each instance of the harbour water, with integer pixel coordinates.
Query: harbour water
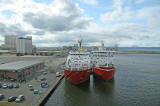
(136, 83)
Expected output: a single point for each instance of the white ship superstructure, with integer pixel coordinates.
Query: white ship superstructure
(78, 61)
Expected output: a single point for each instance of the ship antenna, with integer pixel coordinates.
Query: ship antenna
(102, 45)
(80, 43)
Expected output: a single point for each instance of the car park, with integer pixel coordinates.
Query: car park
(10, 85)
(5, 86)
(19, 98)
(1, 96)
(12, 98)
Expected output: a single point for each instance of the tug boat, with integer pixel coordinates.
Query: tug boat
(77, 66)
(102, 61)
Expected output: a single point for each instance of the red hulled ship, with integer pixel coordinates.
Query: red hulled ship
(103, 63)
(77, 67)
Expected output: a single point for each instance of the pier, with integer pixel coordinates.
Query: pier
(45, 96)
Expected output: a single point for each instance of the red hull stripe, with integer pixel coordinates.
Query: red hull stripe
(105, 72)
(77, 77)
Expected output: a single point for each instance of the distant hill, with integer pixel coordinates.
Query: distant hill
(119, 48)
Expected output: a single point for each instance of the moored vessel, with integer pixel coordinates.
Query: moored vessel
(77, 66)
(102, 61)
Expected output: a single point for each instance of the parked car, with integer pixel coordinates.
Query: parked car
(16, 85)
(10, 85)
(40, 92)
(36, 91)
(43, 79)
(44, 85)
(19, 98)
(44, 73)
(30, 87)
(58, 74)
(1, 96)
(1, 79)
(12, 98)
(0, 84)
(12, 80)
(5, 86)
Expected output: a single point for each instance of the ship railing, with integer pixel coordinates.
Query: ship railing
(76, 69)
(108, 65)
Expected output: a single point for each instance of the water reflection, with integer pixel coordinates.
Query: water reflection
(75, 95)
(102, 86)
(92, 92)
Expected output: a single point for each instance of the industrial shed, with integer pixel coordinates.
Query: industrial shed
(20, 70)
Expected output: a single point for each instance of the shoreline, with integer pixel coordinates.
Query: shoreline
(138, 52)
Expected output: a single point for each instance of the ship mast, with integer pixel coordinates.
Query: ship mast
(80, 44)
(102, 46)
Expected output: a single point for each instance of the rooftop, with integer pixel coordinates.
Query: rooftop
(18, 65)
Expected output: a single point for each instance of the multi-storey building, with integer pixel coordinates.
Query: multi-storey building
(24, 45)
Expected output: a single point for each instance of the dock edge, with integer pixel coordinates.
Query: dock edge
(49, 92)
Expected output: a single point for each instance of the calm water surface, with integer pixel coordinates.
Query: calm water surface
(136, 83)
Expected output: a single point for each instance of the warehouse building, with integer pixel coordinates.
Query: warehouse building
(20, 70)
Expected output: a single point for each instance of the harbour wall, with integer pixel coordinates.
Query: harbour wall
(46, 96)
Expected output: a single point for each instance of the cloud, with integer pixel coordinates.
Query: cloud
(5, 1)
(12, 30)
(151, 15)
(56, 23)
(133, 27)
(92, 2)
(125, 14)
(119, 14)
(143, 1)
(67, 18)
(63, 22)
(40, 20)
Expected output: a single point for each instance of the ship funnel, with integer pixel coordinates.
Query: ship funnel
(82, 49)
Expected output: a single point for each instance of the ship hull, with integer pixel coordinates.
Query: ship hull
(107, 73)
(77, 77)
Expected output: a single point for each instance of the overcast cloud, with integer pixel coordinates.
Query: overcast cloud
(63, 22)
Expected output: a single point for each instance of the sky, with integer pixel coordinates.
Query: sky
(54, 23)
